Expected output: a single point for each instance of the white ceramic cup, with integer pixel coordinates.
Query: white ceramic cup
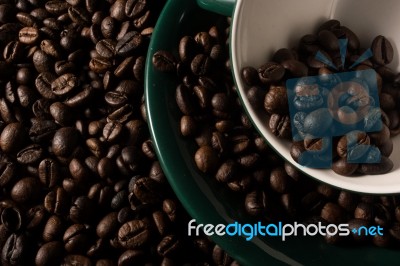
(260, 27)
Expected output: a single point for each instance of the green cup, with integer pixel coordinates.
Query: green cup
(205, 200)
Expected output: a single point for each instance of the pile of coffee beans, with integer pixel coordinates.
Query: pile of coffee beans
(79, 180)
(267, 91)
(230, 150)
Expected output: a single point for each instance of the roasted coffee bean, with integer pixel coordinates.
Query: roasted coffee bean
(79, 15)
(384, 166)
(30, 154)
(270, 72)
(275, 101)
(343, 167)
(280, 125)
(164, 61)
(131, 41)
(53, 229)
(49, 254)
(64, 84)
(82, 210)
(256, 203)
(130, 257)
(295, 67)
(201, 65)
(28, 35)
(317, 122)
(76, 260)
(280, 181)
(56, 201)
(333, 213)
(75, 238)
(227, 171)
(12, 137)
(26, 190)
(42, 61)
(65, 141)
(134, 234)
(206, 159)
(328, 40)
(188, 48)
(347, 200)
(11, 218)
(7, 173)
(349, 143)
(106, 48)
(135, 8)
(13, 51)
(108, 225)
(56, 7)
(220, 257)
(43, 84)
(169, 246)
(147, 190)
(13, 252)
(382, 50)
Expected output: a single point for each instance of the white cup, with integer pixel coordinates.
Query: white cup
(260, 27)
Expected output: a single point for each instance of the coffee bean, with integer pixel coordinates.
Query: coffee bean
(131, 41)
(28, 35)
(332, 213)
(134, 234)
(164, 61)
(270, 72)
(30, 154)
(26, 189)
(7, 173)
(13, 51)
(185, 100)
(65, 141)
(169, 246)
(342, 167)
(11, 218)
(256, 203)
(78, 15)
(64, 84)
(206, 159)
(53, 229)
(42, 61)
(130, 257)
(280, 125)
(135, 8)
(14, 250)
(201, 65)
(382, 50)
(56, 201)
(75, 238)
(76, 260)
(347, 200)
(49, 254)
(276, 100)
(43, 84)
(295, 67)
(280, 181)
(384, 166)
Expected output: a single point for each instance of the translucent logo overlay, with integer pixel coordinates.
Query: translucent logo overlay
(340, 104)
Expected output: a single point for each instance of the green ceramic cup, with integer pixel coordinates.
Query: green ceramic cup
(205, 199)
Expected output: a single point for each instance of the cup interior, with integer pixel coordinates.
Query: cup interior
(261, 27)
